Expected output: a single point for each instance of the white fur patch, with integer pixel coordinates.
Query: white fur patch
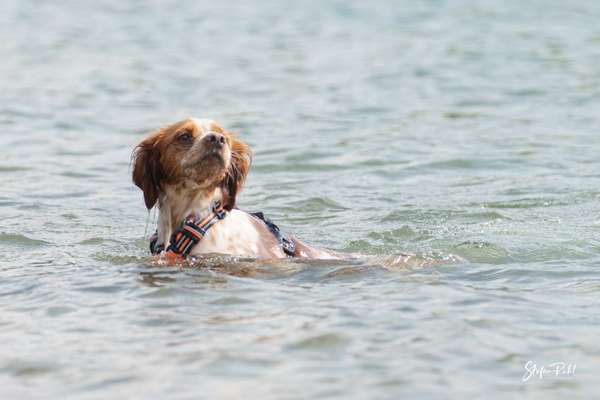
(204, 124)
(236, 235)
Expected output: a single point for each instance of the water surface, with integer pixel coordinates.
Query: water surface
(447, 130)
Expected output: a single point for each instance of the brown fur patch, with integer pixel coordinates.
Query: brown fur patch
(157, 161)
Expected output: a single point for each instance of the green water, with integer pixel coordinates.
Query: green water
(451, 146)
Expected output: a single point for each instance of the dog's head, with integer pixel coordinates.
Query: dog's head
(194, 154)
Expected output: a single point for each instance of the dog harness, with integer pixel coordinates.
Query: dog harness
(189, 234)
(194, 229)
(287, 245)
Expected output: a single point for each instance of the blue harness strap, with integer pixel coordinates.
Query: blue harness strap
(287, 245)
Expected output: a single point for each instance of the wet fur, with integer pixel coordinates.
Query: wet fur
(182, 177)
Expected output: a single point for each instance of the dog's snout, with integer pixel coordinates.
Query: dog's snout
(215, 139)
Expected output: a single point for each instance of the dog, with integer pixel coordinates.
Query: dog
(193, 170)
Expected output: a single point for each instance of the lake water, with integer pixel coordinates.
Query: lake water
(463, 133)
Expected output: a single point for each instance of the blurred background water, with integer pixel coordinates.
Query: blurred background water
(442, 129)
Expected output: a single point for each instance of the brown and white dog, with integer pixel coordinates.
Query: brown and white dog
(191, 166)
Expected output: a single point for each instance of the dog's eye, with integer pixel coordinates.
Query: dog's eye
(185, 137)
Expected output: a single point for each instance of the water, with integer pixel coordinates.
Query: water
(445, 130)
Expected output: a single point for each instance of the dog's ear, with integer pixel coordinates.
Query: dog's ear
(147, 171)
(241, 158)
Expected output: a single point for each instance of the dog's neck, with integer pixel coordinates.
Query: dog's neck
(176, 202)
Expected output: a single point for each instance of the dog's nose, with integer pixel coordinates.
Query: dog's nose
(215, 138)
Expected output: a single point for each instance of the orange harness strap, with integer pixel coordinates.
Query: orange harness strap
(190, 234)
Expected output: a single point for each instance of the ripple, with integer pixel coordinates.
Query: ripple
(95, 240)
(486, 216)
(26, 288)
(26, 369)
(413, 214)
(57, 311)
(525, 203)
(14, 168)
(323, 341)
(445, 215)
(525, 92)
(70, 216)
(108, 289)
(418, 261)
(396, 236)
(462, 115)
(470, 164)
(117, 259)
(309, 155)
(105, 384)
(61, 195)
(297, 167)
(347, 272)
(317, 204)
(78, 174)
(163, 321)
(230, 301)
(482, 252)
(9, 203)
(21, 240)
